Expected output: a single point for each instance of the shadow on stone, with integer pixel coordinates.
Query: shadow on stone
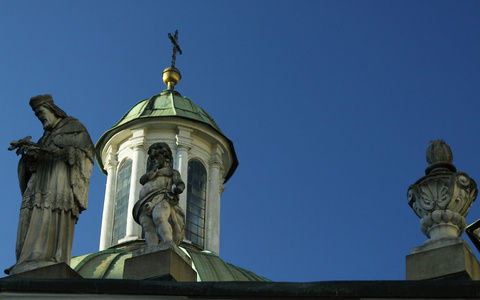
(60, 270)
(159, 263)
(451, 260)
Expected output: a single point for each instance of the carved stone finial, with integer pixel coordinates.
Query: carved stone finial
(439, 151)
(439, 157)
(443, 197)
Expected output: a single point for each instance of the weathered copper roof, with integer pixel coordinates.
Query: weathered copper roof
(108, 264)
(168, 103)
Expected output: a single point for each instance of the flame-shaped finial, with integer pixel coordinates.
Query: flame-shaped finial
(439, 156)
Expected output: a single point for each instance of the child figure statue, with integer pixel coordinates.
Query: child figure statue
(157, 209)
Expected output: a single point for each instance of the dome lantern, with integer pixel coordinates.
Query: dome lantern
(202, 153)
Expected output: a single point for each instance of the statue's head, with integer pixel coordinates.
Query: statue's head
(160, 154)
(46, 111)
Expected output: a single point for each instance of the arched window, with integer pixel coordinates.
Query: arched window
(121, 201)
(196, 197)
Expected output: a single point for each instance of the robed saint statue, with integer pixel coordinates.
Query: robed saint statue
(54, 176)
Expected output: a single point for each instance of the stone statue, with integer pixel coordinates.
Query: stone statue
(54, 175)
(157, 209)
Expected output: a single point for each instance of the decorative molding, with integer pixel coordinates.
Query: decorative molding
(138, 143)
(138, 140)
(222, 188)
(111, 158)
(183, 138)
(216, 156)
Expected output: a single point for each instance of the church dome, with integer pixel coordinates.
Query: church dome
(168, 103)
(201, 152)
(109, 264)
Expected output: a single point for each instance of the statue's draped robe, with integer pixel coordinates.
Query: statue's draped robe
(55, 192)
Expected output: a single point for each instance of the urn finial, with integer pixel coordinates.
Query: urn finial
(444, 196)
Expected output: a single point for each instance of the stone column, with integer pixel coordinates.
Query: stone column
(212, 214)
(110, 166)
(138, 144)
(184, 143)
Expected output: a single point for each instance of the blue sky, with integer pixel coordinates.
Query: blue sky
(330, 105)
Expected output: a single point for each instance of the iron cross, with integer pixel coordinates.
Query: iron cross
(176, 47)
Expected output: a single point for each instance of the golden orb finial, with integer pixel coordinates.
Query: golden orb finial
(171, 76)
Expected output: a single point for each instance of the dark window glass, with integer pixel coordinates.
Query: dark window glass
(121, 201)
(196, 197)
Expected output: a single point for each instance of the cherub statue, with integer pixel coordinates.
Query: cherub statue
(157, 209)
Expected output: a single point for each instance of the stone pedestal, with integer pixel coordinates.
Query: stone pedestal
(60, 270)
(166, 263)
(447, 258)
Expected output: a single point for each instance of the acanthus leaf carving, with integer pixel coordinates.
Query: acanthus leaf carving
(464, 193)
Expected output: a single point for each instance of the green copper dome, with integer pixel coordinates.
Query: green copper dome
(168, 103)
(109, 264)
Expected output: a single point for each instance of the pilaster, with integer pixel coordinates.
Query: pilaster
(184, 144)
(109, 202)
(139, 146)
(212, 218)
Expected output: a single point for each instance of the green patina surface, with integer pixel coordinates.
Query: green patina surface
(167, 104)
(109, 264)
